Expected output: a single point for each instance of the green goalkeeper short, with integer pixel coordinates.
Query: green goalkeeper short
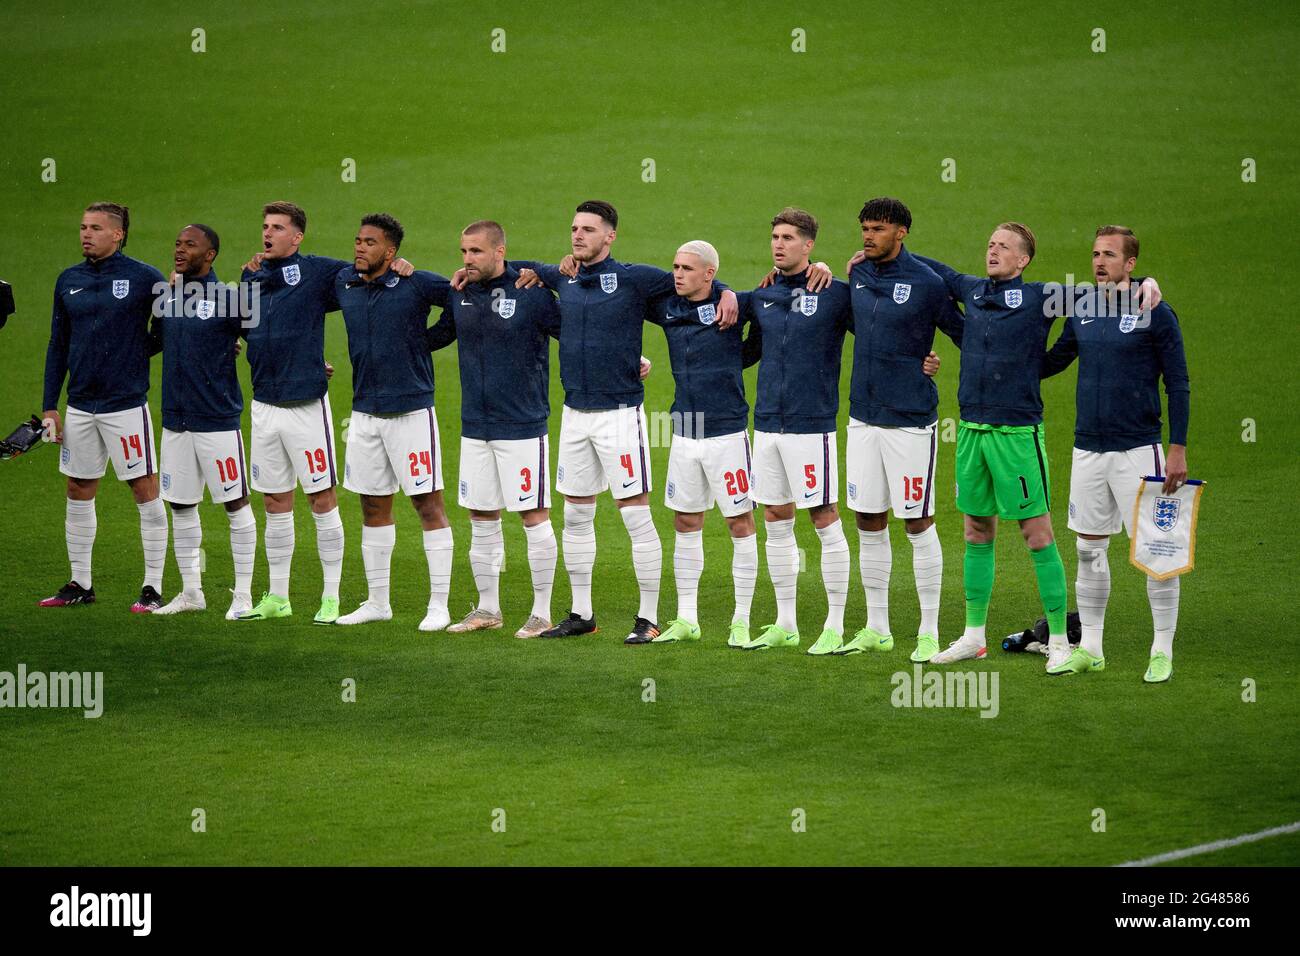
(1002, 470)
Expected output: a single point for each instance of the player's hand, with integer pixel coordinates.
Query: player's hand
(1175, 468)
(768, 279)
(527, 279)
(728, 310)
(329, 370)
(645, 368)
(255, 263)
(569, 266)
(858, 256)
(239, 346)
(459, 278)
(931, 364)
(54, 425)
(401, 267)
(819, 276)
(1149, 294)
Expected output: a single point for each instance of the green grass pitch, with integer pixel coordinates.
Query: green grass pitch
(247, 721)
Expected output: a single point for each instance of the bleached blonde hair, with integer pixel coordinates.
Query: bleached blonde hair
(698, 247)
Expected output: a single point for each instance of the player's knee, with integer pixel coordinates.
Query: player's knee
(279, 502)
(323, 501)
(916, 525)
(688, 522)
(741, 526)
(82, 489)
(980, 530)
(824, 515)
(536, 516)
(144, 489)
(429, 507)
(237, 505)
(873, 522)
(1037, 537)
(635, 500)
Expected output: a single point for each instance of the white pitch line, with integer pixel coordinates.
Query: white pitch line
(1216, 845)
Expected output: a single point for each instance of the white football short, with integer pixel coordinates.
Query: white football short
(1104, 486)
(191, 460)
(603, 449)
(798, 468)
(293, 444)
(90, 440)
(385, 452)
(504, 474)
(704, 470)
(891, 467)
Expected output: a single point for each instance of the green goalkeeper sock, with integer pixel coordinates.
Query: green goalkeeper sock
(977, 575)
(1051, 587)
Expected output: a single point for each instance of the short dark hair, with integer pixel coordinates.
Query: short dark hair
(282, 208)
(805, 222)
(117, 211)
(884, 209)
(392, 229)
(1026, 236)
(602, 209)
(209, 232)
(495, 234)
(1130, 243)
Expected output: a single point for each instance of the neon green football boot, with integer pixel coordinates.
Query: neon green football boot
(329, 611)
(829, 642)
(678, 630)
(1079, 662)
(773, 636)
(867, 640)
(927, 645)
(739, 634)
(1159, 670)
(271, 605)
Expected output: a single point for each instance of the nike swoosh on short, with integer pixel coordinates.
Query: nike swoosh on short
(629, 484)
(1025, 505)
(228, 487)
(736, 501)
(811, 494)
(132, 465)
(910, 507)
(317, 478)
(526, 497)
(420, 482)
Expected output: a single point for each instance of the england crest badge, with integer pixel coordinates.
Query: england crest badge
(1014, 297)
(708, 314)
(205, 308)
(292, 274)
(392, 280)
(1164, 513)
(902, 292)
(1127, 323)
(505, 308)
(608, 282)
(807, 304)
(121, 288)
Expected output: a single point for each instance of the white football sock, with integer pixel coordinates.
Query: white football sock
(744, 574)
(1163, 596)
(79, 527)
(688, 564)
(835, 573)
(975, 632)
(438, 550)
(875, 560)
(542, 554)
(279, 550)
(487, 551)
(783, 568)
(187, 542)
(377, 558)
(243, 547)
(927, 568)
(1092, 591)
(153, 538)
(329, 545)
(647, 557)
(580, 553)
